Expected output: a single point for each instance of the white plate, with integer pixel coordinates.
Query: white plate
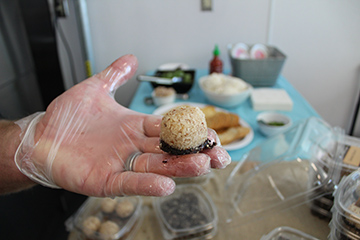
(232, 146)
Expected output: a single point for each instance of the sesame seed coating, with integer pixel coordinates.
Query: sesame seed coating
(184, 127)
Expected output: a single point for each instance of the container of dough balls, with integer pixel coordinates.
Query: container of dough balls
(189, 213)
(107, 218)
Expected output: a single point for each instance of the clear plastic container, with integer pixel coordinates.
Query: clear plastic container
(189, 213)
(287, 233)
(106, 218)
(284, 172)
(348, 157)
(200, 180)
(346, 210)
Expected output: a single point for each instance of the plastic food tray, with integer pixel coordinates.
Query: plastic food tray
(287, 233)
(345, 223)
(92, 207)
(283, 172)
(348, 157)
(258, 72)
(189, 213)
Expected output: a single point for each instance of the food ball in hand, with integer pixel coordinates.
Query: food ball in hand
(184, 131)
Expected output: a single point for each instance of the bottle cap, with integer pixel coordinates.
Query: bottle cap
(216, 51)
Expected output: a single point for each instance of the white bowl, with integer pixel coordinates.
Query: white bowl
(159, 101)
(265, 119)
(223, 99)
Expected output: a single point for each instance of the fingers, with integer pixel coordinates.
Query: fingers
(220, 158)
(181, 166)
(144, 184)
(212, 135)
(118, 73)
(190, 165)
(151, 125)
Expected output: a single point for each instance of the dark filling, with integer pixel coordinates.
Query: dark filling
(349, 225)
(174, 151)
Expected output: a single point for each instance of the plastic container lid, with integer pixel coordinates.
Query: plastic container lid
(106, 218)
(346, 210)
(188, 213)
(349, 154)
(287, 233)
(283, 172)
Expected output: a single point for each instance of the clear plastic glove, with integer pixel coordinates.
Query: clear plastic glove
(83, 140)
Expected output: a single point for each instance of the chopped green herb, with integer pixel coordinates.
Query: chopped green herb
(272, 123)
(275, 123)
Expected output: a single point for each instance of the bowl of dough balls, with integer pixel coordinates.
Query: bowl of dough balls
(106, 218)
(225, 90)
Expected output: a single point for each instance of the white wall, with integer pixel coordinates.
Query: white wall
(319, 37)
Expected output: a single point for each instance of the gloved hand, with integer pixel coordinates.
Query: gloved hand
(82, 141)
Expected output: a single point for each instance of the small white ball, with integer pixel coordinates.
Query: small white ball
(108, 229)
(108, 205)
(90, 225)
(125, 208)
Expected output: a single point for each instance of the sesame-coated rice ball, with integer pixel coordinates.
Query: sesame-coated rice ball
(183, 130)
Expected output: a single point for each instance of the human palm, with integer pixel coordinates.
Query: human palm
(85, 137)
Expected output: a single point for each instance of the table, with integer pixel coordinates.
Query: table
(301, 108)
(298, 217)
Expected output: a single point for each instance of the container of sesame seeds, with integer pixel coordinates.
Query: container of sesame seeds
(189, 213)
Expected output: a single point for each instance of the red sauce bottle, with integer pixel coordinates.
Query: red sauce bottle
(216, 64)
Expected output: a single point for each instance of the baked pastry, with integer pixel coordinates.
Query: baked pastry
(233, 133)
(226, 124)
(184, 131)
(222, 120)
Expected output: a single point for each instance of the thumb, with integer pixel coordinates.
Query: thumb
(118, 73)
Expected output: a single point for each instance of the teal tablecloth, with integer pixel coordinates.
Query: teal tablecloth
(301, 108)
